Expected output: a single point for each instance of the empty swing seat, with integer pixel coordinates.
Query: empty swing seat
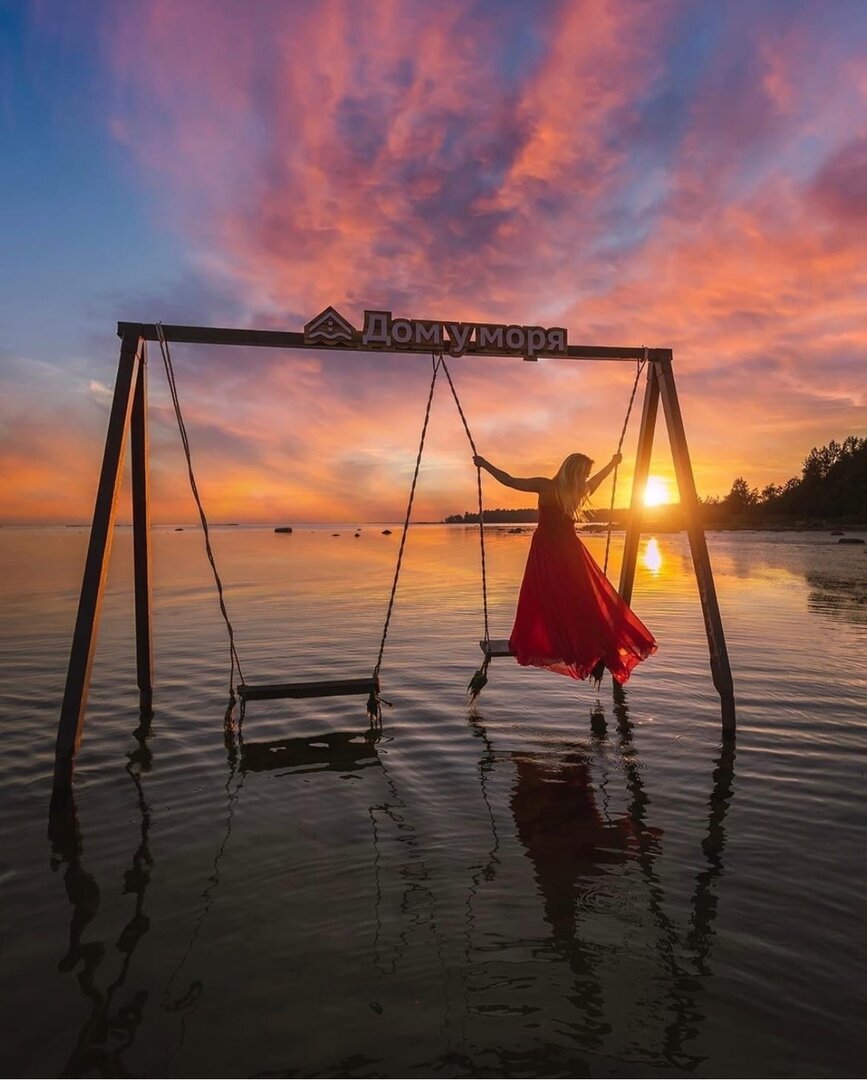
(497, 647)
(322, 688)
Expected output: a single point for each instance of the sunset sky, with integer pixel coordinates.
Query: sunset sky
(682, 174)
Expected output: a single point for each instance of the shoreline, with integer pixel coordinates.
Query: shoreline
(663, 527)
(830, 528)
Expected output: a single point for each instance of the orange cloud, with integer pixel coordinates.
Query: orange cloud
(641, 173)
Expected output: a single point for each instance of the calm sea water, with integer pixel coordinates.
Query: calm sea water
(509, 891)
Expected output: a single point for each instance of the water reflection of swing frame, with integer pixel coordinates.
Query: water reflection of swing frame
(546, 821)
(109, 1029)
(332, 751)
(631, 837)
(580, 843)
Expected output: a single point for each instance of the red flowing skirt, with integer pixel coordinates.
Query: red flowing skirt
(570, 617)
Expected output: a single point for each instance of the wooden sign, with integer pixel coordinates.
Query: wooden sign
(382, 331)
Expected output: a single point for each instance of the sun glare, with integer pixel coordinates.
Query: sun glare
(656, 491)
(652, 557)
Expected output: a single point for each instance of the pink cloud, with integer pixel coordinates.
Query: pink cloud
(603, 165)
(839, 190)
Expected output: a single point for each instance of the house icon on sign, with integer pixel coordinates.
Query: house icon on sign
(329, 328)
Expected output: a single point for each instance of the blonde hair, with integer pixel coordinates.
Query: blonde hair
(570, 484)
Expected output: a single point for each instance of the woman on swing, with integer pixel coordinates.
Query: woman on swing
(569, 618)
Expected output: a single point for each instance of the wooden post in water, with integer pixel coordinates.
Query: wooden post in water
(71, 723)
(719, 657)
(141, 536)
(642, 468)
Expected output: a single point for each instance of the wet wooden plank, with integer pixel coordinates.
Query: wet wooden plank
(70, 726)
(642, 470)
(719, 657)
(496, 647)
(320, 688)
(141, 536)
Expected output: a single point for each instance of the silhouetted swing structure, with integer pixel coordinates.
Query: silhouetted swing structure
(329, 331)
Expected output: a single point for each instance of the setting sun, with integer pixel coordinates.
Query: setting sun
(656, 491)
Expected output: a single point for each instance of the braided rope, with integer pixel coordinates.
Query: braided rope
(479, 487)
(375, 696)
(639, 367)
(234, 659)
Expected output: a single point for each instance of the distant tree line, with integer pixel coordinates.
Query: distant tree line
(495, 517)
(527, 515)
(832, 488)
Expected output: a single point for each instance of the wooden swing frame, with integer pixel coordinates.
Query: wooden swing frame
(128, 415)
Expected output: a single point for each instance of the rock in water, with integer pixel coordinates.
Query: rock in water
(284, 529)
(851, 540)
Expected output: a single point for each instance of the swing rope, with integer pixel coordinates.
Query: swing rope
(479, 489)
(639, 366)
(480, 678)
(375, 702)
(234, 659)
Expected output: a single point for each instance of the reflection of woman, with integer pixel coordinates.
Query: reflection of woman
(569, 618)
(563, 831)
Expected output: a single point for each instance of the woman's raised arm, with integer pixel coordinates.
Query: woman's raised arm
(597, 478)
(537, 484)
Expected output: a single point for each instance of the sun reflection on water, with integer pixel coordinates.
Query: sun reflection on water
(652, 557)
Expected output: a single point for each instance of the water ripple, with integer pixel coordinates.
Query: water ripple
(545, 884)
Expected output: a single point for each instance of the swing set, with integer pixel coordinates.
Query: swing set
(330, 331)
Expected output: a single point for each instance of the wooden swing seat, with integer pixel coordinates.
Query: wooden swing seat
(496, 647)
(322, 688)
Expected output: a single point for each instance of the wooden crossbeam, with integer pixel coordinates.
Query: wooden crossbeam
(322, 688)
(292, 339)
(496, 647)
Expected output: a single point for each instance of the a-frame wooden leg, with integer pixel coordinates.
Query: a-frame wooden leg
(141, 525)
(642, 468)
(719, 658)
(71, 723)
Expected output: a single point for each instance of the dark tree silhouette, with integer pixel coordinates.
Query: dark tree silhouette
(832, 488)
